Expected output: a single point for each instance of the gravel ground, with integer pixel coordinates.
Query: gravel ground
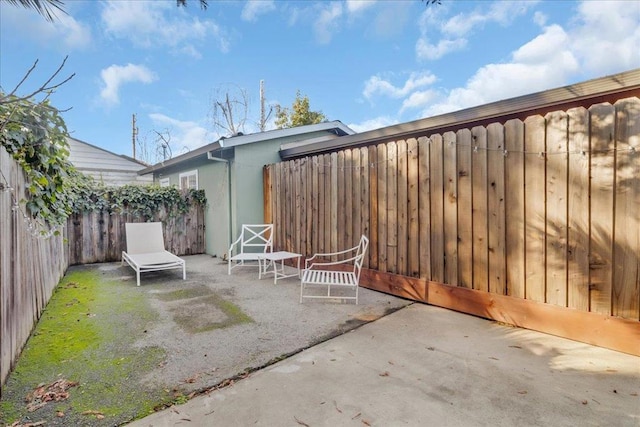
(189, 337)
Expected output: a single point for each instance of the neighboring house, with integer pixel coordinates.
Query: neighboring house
(106, 167)
(230, 172)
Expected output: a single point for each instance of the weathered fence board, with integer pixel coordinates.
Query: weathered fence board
(602, 193)
(30, 266)
(450, 208)
(578, 210)
(626, 283)
(514, 208)
(535, 202)
(479, 207)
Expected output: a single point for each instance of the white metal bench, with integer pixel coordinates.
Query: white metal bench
(342, 274)
(254, 240)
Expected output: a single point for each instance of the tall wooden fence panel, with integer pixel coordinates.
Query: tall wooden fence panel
(30, 266)
(98, 236)
(543, 212)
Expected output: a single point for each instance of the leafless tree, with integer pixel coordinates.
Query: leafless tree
(229, 110)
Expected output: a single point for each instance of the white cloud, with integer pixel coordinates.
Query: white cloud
(69, 33)
(426, 50)
(355, 6)
(159, 24)
(114, 76)
(452, 33)
(543, 63)
(376, 85)
(418, 99)
(254, 8)
(377, 123)
(327, 22)
(185, 135)
(606, 36)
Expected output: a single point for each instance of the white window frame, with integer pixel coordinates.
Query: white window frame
(188, 175)
(164, 182)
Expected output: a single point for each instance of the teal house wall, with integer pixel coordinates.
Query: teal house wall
(230, 172)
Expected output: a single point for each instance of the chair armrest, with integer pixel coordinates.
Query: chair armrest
(330, 254)
(234, 244)
(322, 264)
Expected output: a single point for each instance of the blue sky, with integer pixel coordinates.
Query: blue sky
(368, 64)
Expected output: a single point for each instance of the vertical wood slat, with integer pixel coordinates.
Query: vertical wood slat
(556, 227)
(413, 245)
(424, 207)
(326, 164)
(373, 206)
(392, 207)
(495, 208)
(316, 196)
(465, 213)
(382, 207)
(535, 200)
(602, 192)
(479, 208)
(436, 194)
(334, 203)
(626, 283)
(402, 209)
(348, 206)
(357, 190)
(450, 208)
(578, 210)
(365, 213)
(322, 225)
(514, 208)
(340, 189)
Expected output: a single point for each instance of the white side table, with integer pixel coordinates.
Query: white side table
(272, 258)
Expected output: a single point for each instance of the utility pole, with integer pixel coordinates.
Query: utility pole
(262, 118)
(134, 134)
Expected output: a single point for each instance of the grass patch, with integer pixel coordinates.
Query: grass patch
(79, 338)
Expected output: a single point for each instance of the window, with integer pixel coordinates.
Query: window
(165, 182)
(189, 180)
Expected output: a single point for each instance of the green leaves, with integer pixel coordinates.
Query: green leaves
(35, 136)
(139, 201)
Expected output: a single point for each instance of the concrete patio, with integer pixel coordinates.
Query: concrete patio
(424, 365)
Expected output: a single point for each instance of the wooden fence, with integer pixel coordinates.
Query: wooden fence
(30, 266)
(526, 221)
(100, 237)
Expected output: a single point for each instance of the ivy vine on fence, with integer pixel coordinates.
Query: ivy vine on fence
(34, 134)
(140, 201)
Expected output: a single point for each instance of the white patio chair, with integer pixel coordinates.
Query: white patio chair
(255, 239)
(145, 250)
(342, 274)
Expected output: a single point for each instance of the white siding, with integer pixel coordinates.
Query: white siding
(105, 166)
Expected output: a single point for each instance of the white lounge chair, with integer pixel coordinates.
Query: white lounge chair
(145, 250)
(343, 273)
(254, 240)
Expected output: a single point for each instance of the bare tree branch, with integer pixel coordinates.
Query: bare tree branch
(45, 87)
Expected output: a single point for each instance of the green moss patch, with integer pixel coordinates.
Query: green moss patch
(205, 313)
(79, 338)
